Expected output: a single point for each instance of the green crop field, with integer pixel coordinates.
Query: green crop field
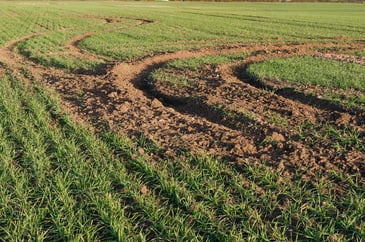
(182, 121)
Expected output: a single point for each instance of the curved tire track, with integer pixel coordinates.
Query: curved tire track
(289, 151)
(122, 101)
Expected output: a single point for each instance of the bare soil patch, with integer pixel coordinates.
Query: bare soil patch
(223, 95)
(224, 114)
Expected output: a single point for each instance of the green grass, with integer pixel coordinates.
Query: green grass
(170, 78)
(48, 49)
(191, 26)
(350, 100)
(330, 135)
(196, 25)
(59, 181)
(359, 53)
(277, 119)
(310, 70)
(194, 64)
(174, 72)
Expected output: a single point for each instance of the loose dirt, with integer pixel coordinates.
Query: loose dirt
(225, 114)
(246, 108)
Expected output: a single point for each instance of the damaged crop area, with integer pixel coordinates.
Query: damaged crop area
(182, 121)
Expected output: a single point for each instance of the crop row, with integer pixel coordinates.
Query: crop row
(189, 28)
(61, 182)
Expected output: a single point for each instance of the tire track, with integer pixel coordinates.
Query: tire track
(123, 100)
(291, 150)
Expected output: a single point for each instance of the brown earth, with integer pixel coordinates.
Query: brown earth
(225, 114)
(248, 110)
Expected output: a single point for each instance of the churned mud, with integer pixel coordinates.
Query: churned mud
(224, 113)
(282, 121)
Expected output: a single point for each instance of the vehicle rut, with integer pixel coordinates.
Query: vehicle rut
(124, 100)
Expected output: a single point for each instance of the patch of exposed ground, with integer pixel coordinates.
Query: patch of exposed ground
(224, 114)
(343, 57)
(271, 117)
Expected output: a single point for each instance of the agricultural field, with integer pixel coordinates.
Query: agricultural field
(182, 121)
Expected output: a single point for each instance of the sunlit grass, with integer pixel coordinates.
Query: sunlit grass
(60, 181)
(310, 70)
(192, 26)
(194, 64)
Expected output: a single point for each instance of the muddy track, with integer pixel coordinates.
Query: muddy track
(287, 151)
(124, 100)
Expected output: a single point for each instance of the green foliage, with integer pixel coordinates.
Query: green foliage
(329, 135)
(277, 119)
(197, 25)
(349, 100)
(170, 78)
(193, 25)
(359, 53)
(310, 70)
(60, 181)
(195, 64)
